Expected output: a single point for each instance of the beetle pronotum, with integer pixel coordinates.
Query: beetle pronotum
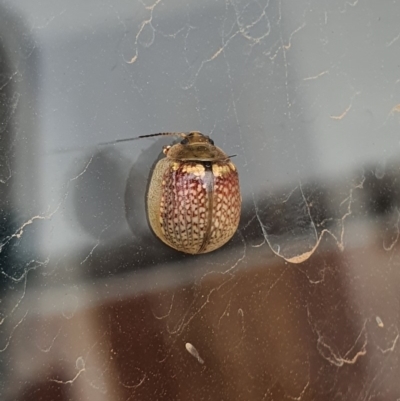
(193, 201)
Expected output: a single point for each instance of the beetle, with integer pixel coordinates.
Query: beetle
(193, 200)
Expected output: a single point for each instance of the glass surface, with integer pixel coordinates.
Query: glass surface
(302, 303)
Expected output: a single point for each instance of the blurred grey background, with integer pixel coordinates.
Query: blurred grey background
(299, 91)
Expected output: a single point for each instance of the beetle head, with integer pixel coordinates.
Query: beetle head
(195, 147)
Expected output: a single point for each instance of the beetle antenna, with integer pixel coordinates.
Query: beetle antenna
(181, 134)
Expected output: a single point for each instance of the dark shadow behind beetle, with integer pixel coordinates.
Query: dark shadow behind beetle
(105, 200)
(97, 196)
(124, 197)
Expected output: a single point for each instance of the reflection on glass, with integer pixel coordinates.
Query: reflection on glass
(302, 303)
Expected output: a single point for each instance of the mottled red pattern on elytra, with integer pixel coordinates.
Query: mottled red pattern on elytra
(226, 208)
(186, 204)
(184, 208)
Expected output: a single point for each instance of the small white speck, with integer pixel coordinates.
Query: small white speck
(379, 321)
(193, 351)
